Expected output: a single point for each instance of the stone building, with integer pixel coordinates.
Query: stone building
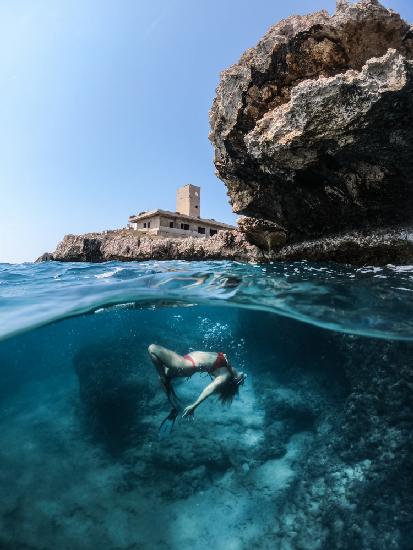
(185, 222)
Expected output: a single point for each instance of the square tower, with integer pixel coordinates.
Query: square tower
(188, 200)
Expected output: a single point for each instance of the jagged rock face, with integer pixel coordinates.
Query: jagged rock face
(125, 246)
(355, 491)
(263, 233)
(313, 128)
(359, 248)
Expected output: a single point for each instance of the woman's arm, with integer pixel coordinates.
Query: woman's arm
(206, 392)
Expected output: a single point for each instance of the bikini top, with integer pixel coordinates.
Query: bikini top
(220, 361)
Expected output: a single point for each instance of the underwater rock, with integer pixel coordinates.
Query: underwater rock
(113, 394)
(312, 128)
(355, 482)
(355, 492)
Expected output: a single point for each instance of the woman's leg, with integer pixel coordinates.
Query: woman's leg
(158, 364)
(168, 363)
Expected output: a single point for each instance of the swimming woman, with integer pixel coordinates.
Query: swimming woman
(225, 383)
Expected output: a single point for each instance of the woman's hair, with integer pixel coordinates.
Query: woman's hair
(229, 389)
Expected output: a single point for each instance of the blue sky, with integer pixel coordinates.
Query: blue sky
(104, 108)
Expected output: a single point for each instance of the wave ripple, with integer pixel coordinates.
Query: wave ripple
(372, 301)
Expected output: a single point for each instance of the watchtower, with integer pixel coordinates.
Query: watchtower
(188, 200)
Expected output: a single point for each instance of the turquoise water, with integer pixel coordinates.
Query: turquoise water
(370, 301)
(314, 453)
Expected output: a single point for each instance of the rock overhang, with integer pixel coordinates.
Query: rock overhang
(311, 127)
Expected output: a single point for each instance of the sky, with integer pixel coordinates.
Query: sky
(104, 108)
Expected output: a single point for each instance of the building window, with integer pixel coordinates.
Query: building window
(213, 232)
(149, 224)
(171, 224)
(185, 226)
(196, 206)
(201, 230)
(144, 225)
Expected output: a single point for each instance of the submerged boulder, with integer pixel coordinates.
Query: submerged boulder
(355, 491)
(313, 127)
(113, 394)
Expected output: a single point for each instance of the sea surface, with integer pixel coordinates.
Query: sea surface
(312, 454)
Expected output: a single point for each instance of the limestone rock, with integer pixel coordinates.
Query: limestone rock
(45, 257)
(313, 128)
(85, 247)
(378, 247)
(365, 470)
(124, 245)
(263, 233)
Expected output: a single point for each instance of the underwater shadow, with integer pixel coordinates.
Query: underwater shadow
(113, 396)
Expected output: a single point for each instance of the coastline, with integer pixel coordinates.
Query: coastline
(376, 247)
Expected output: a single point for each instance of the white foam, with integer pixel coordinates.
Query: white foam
(401, 268)
(107, 274)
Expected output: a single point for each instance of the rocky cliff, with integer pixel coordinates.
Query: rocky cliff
(126, 245)
(312, 128)
(372, 248)
(313, 136)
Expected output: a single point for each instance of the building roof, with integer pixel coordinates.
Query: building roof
(177, 215)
